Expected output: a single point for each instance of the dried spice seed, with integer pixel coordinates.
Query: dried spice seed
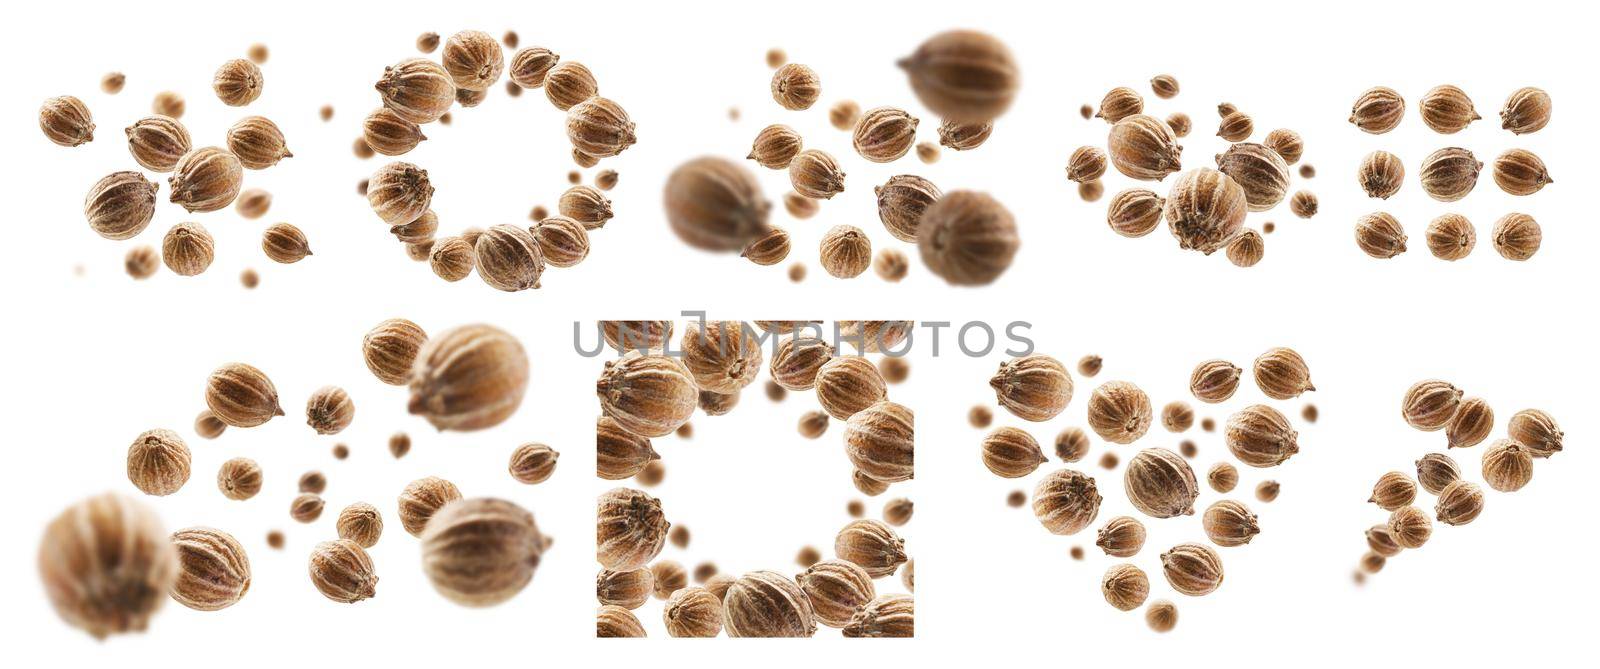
(258, 53)
(187, 249)
(329, 410)
(1303, 204)
(1436, 471)
(1228, 523)
(361, 523)
(1459, 503)
(1246, 249)
(1260, 436)
(1160, 484)
(362, 150)
(1222, 477)
(599, 127)
(120, 205)
(1382, 541)
(237, 83)
(530, 66)
(636, 335)
(884, 134)
(1144, 148)
(1125, 587)
(1135, 212)
(846, 385)
(473, 59)
(313, 482)
(967, 238)
(158, 462)
(1282, 374)
(533, 463)
(1122, 537)
(796, 87)
(648, 395)
(715, 205)
(482, 551)
(1380, 236)
(980, 416)
(871, 545)
(470, 378)
(1204, 210)
(1035, 388)
(563, 242)
(836, 589)
(1187, 447)
(399, 193)
(846, 251)
(1165, 86)
(620, 454)
(631, 529)
(1177, 416)
(1011, 453)
(584, 205)
(1447, 109)
(1089, 365)
(1119, 412)
(879, 441)
(1393, 490)
(1086, 164)
(693, 613)
(1108, 460)
(390, 349)
(568, 83)
(107, 565)
(419, 90)
(963, 75)
(451, 258)
(112, 83)
(775, 146)
(1378, 110)
(1214, 381)
(239, 479)
(387, 132)
(1451, 237)
(1520, 172)
(285, 243)
(1236, 126)
(509, 258)
(1471, 425)
(1066, 501)
(1192, 569)
(902, 201)
(1260, 171)
(1507, 465)
(1180, 124)
(168, 103)
(1091, 191)
(1450, 174)
(797, 359)
(1286, 143)
(628, 589)
(844, 114)
(1536, 431)
(1120, 103)
(1267, 491)
(206, 179)
(157, 142)
(241, 395)
(343, 572)
(723, 356)
(1517, 236)
(1072, 444)
(1526, 110)
(615, 622)
(765, 604)
(257, 143)
(213, 570)
(815, 174)
(1430, 405)
(959, 136)
(423, 498)
(1161, 616)
(306, 508)
(897, 511)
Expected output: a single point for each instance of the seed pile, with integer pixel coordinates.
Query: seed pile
(476, 551)
(201, 179)
(652, 391)
(1205, 209)
(967, 238)
(418, 91)
(1506, 466)
(1449, 174)
(1159, 483)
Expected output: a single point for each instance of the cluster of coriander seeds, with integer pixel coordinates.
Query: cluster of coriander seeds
(476, 551)
(1159, 483)
(417, 91)
(1205, 208)
(201, 179)
(1505, 465)
(1450, 174)
(663, 373)
(967, 78)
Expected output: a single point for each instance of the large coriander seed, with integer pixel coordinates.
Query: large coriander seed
(241, 395)
(796, 87)
(627, 589)
(1520, 172)
(963, 75)
(421, 499)
(1507, 466)
(390, 349)
(1527, 110)
(615, 622)
(902, 201)
(482, 551)
(1447, 109)
(1459, 503)
(529, 66)
(257, 142)
(765, 604)
(1260, 171)
(361, 523)
(1261, 436)
(775, 146)
(1517, 236)
(1450, 174)
(1192, 569)
(599, 127)
(1472, 423)
(1144, 148)
(1393, 490)
(630, 529)
(1410, 527)
(1122, 537)
(872, 545)
(1537, 431)
(107, 565)
(1160, 484)
(1214, 381)
(1378, 110)
(66, 121)
(1125, 587)
(1204, 209)
(1035, 387)
(967, 238)
(884, 134)
(1120, 412)
(836, 589)
(157, 142)
(237, 83)
(343, 572)
(879, 440)
(470, 378)
(399, 193)
(1435, 471)
(1011, 453)
(329, 410)
(206, 179)
(213, 570)
(158, 462)
(620, 454)
(1380, 236)
(1451, 237)
(1228, 523)
(1430, 405)
(715, 205)
(239, 479)
(533, 463)
(693, 613)
(1282, 374)
(648, 395)
(846, 385)
(473, 59)
(417, 89)
(120, 205)
(845, 251)
(1135, 212)
(1066, 501)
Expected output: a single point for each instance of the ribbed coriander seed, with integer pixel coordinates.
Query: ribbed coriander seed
(1382, 541)
(1122, 537)
(1177, 416)
(1180, 124)
(206, 179)
(419, 90)
(399, 193)
(884, 134)
(168, 103)
(1537, 431)
(533, 463)
(959, 136)
(1447, 109)
(1165, 86)
(1072, 444)
(389, 133)
(846, 251)
(343, 572)
(1459, 503)
(615, 622)
(473, 59)
(1449, 174)
(158, 462)
(796, 87)
(237, 83)
(1222, 477)
(1507, 466)
(891, 265)
(107, 565)
(1393, 490)
(627, 589)
(815, 174)
(482, 551)
(1011, 453)
(391, 347)
(1125, 587)
(1035, 387)
(1204, 209)
(600, 127)
(1119, 412)
(1214, 381)
(213, 570)
(765, 604)
(509, 258)
(846, 385)
(1435, 471)
(880, 441)
(1520, 172)
(306, 508)
(329, 410)
(902, 202)
(157, 142)
(967, 238)
(1260, 171)
(1378, 110)
(313, 482)
(120, 205)
(1517, 236)
(1236, 126)
(421, 499)
(844, 114)
(1267, 491)
(872, 545)
(1091, 191)
(239, 479)
(1160, 484)
(1066, 501)
(257, 143)
(469, 378)
(1247, 248)
(775, 146)
(693, 613)
(631, 529)
(1161, 616)
(241, 395)
(1260, 436)
(361, 523)
(1472, 423)
(584, 205)
(1286, 143)
(1228, 523)
(1144, 148)
(1192, 569)
(897, 512)
(1282, 374)
(1430, 405)
(836, 588)
(529, 66)
(1380, 236)
(451, 258)
(112, 83)
(619, 454)
(568, 83)
(1135, 212)
(1120, 103)
(715, 205)
(1527, 110)
(1451, 237)
(1086, 164)
(963, 75)
(563, 242)
(1303, 203)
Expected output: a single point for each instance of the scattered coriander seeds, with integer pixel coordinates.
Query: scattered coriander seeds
(1144, 148)
(482, 551)
(1449, 174)
(361, 523)
(1066, 501)
(1135, 212)
(1119, 412)
(614, 622)
(1526, 111)
(1393, 490)
(1451, 237)
(1260, 436)
(1160, 484)
(1125, 587)
(1228, 523)
(107, 565)
(765, 604)
(1204, 210)
(1378, 110)
(343, 572)
(796, 87)
(306, 508)
(158, 142)
(421, 499)
(419, 90)
(1520, 172)
(1382, 541)
(846, 385)
(1447, 109)
(1282, 374)
(967, 238)
(329, 410)
(1380, 236)
(1222, 477)
(257, 143)
(884, 134)
(846, 251)
(963, 75)
(1459, 503)
(239, 479)
(237, 83)
(1436, 471)
(1507, 466)
(158, 462)
(1192, 569)
(470, 378)
(1161, 616)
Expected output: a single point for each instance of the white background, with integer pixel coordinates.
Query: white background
(98, 358)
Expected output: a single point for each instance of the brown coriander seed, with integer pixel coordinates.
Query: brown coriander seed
(399, 445)
(846, 385)
(693, 613)
(1125, 587)
(891, 265)
(529, 66)
(897, 511)
(846, 252)
(343, 572)
(241, 395)
(1459, 503)
(1089, 365)
(836, 589)
(66, 121)
(1517, 236)
(927, 152)
(714, 204)
(1011, 453)
(963, 75)
(1260, 436)
(980, 416)
(815, 174)
(797, 359)
(1282, 374)
(636, 335)
(341, 452)
(391, 347)
(1091, 191)
(775, 146)
(1449, 174)
(275, 539)
(880, 442)
(107, 565)
(1286, 143)
(1303, 204)
(329, 410)
(614, 622)
(168, 103)
(306, 508)
(1192, 569)
(563, 242)
(1122, 537)
(1066, 501)
(1393, 490)
(871, 545)
(361, 523)
(112, 83)
(1119, 412)
(421, 499)
(1382, 541)
(1372, 562)
(257, 143)
(258, 53)
(1520, 172)
(654, 472)
(206, 179)
(1036, 388)
(473, 59)
(1120, 103)
(568, 83)
(959, 136)
(1236, 126)
(600, 127)
(1187, 446)
(482, 551)
(249, 278)
(1447, 109)
(158, 462)
(187, 249)
(399, 193)
(715, 403)
(451, 258)
(1177, 416)
(884, 134)
(469, 378)
(1472, 423)
(1435, 471)
(631, 529)
(844, 114)
(620, 454)
(1228, 523)
(1246, 249)
(157, 142)
(326, 112)
(1072, 444)
(387, 132)
(1144, 148)
(509, 258)
(1214, 381)
(1135, 212)
(213, 570)
(1086, 164)
(627, 589)
(902, 201)
(765, 604)
(313, 482)
(239, 479)
(362, 150)
(1109, 460)
(967, 238)
(1526, 110)
(285, 243)
(722, 356)
(1016, 498)
(1180, 124)
(1378, 110)
(1259, 170)
(237, 83)
(120, 205)
(1165, 86)
(1536, 431)
(419, 90)
(583, 160)
(808, 556)
(1430, 405)
(1507, 465)
(813, 424)
(1204, 210)
(1410, 527)
(855, 508)
(1222, 477)
(1451, 237)
(583, 204)
(1160, 484)
(796, 87)
(1161, 616)
(1380, 236)
(1267, 491)
(533, 463)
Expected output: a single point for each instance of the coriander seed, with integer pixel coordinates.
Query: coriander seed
(1011, 453)
(1436, 471)
(1180, 124)
(612, 622)
(1160, 484)
(1165, 86)
(509, 258)
(813, 424)
(1125, 587)
(419, 90)
(815, 174)
(959, 136)
(389, 133)
(257, 143)
(473, 59)
(568, 83)
(1507, 465)
(1135, 212)
(1222, 477)
(713, 204)
(1267, 491)
(1177, 416)
(241, 395)
(1520, 172)
(1282, 374)
(693, 613)
(963, 75)
(1236, 126)
(631, 529)
(796, 87)
(158, 142)
(329, 410)
(1091, 191)
(980, 416)
(361, 523)
(599, 127)
(846, 385)
(206, 179)
(1526, 111)
(620, 454)
(451, 258)
(481, 552)
(1192, 569)
(107, 565)
(563, 242)
(237, 83)
(1447, 109)
(399, 193)
(158, 462)
(1120, 103)
(1430, 405)
(1450, 174)
(1536, 431)
(1204, 209)
(1378, 110)
(306, 508)
(797, 360)
(1380, 236)
(1086, 164)
(469, 378)
(1066, 501)
(627, 589)
(1260, 436)
(112, 83)
(902, 201)
(1035, 388)
(1517, 236)
(1072, 444)
(897, 511)
(1161, 616)
(343, 572)
(239, 479)
(1144, 148)
(1119, 412)
(967, 238)
(391, 347)
(872, 545)
(880, 440)
(775, 146)
(1214, 381)
(213, 571)
(312, 482)
(836, 588)
(765, 604)
(1260, 171)
(1471, 425)
(884, 134)
(1286, 143)
(285, 243)
(1303, 204)
(1393, 490)
(1228, 523)
(1246, 249)
(120, 205)
(421, 499)
(1451, 237)
(1121, 537)
(168, 103)
(533, 463)
(844, 114)
(846, 251)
